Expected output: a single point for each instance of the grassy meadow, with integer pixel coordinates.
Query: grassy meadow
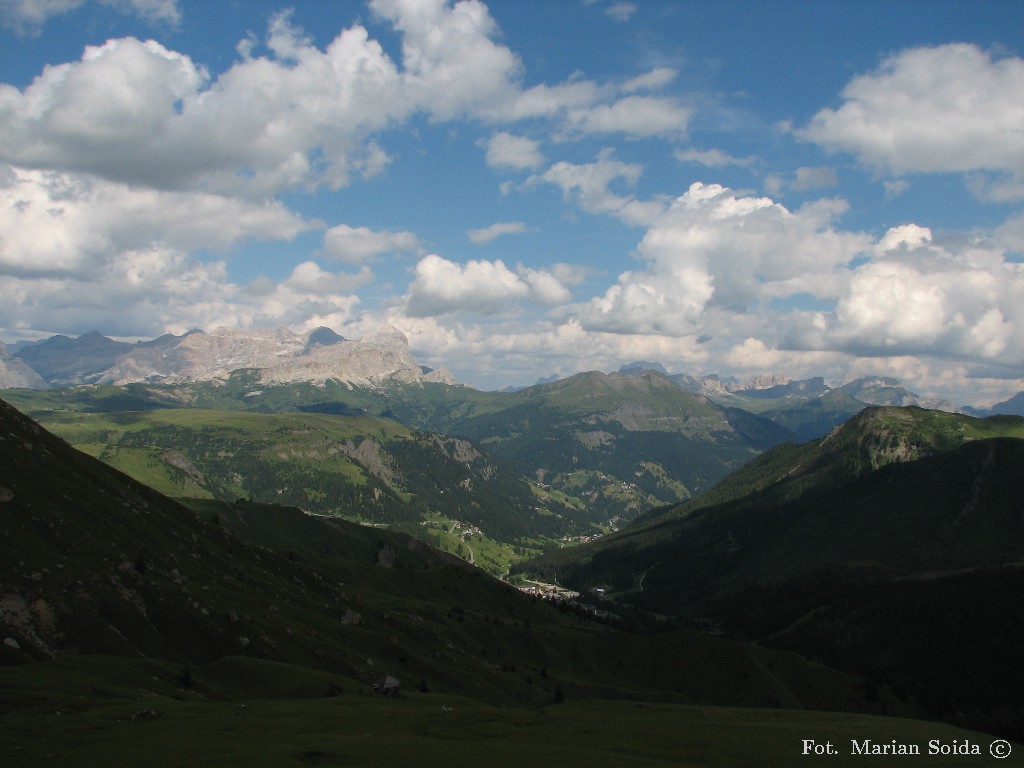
(99, 711)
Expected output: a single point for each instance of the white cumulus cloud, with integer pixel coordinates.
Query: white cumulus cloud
(290, 115)
(713, 158)
(621, 11)
(29, 16)
(485, 287)
(451, 63)
(814, 178)
(714, 248)
(297, 116)
(947, 108)
(634, 116)
(506, 150)
(486, 234)
(138, 112)
(916, 296)
(79, 254)
(65, 223)
(656, 78)
(355, 245)
(590, 185)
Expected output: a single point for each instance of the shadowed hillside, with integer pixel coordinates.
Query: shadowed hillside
(890, 548)
(102, 564)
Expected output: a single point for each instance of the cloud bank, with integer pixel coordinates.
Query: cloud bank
(131, 177)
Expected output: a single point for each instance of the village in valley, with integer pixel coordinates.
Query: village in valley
(469, 542)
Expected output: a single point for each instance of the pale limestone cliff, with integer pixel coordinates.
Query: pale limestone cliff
(15, 374)
(280, 356)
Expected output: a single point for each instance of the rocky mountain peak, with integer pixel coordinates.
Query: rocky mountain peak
(388, 337)
(280, 356)
(637, 367)
(767, 381)
(322, 337)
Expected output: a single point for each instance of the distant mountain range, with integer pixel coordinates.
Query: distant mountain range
(613, 445)
(385, 359)
(279, 355)
(1012, 407)
(871, 390)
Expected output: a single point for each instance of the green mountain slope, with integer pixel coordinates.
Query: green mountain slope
(103, 564)
(597, 449)
(160, 616)
(613, 445)
(901, 528)
(356, 467)
(945, 513)
(424, 405)
(873, 438)
(830, 497)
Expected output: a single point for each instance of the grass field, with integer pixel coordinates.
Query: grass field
(421, 729)
(101, 712)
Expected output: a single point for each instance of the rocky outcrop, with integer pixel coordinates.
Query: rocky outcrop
(279, 355)
(377, 359)
(15, 373)
(766, 381)
(200, 356)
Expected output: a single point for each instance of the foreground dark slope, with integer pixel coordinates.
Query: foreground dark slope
(99, 564)
(891, 548)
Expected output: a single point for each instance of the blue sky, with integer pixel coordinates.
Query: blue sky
(527, 188)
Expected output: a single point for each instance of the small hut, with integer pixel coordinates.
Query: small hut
(387, 686)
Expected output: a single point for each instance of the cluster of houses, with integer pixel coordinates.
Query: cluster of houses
(583, 538)
(548, 591)
(568, 597)
(466, 530)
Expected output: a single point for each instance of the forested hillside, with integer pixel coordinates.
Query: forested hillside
(889, 549)
(578, 457)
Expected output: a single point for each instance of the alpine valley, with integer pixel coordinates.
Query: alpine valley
(215, 546)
